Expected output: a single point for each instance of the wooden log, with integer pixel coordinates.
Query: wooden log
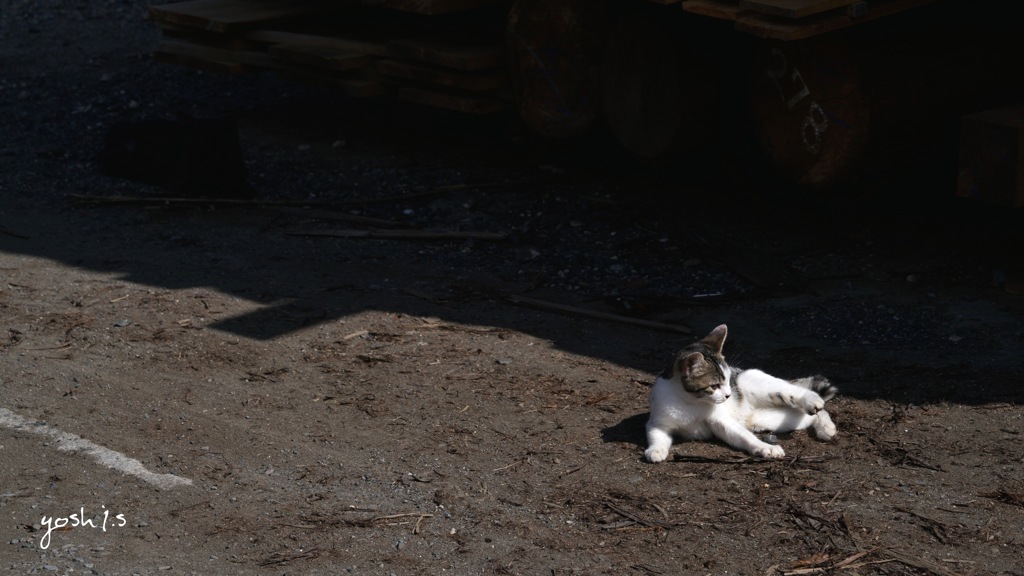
(659, 97)
(231, 15)
(554, 52)
(810, 111)
(882, 95)
(991, 164)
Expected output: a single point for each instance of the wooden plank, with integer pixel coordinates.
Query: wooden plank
(210, 39)
(351, 85)
(229, 15)
(450, 101)
(476, 82)
(991, 164)
(857, 9)
(226, 68)
(448, 55)
(433, 7)
(179, 30)
(320, 57)
(764, 26)
(714, 9)
(315, 41)
(178, 47)
(794, 8)
(773, 27)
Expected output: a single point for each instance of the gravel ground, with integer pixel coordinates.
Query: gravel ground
(319, 404)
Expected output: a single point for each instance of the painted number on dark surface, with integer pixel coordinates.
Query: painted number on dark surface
(793, 91)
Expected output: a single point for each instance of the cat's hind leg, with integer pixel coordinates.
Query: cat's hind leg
(765, 390)
(824, 389)
(818, 384)
(824, 428)
(658, 444)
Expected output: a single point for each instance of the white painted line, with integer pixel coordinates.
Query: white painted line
(106, 456)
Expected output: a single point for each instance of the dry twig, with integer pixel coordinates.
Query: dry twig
(1005, 497)
(277, 558)
(710, 460)
(936, 527)
(12, 234)
(545, 305)
(920, 563)
(636, 518)
(403, 234)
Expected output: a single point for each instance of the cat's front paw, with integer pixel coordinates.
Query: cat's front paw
(769, 452)
(813, 403)
(656, 454)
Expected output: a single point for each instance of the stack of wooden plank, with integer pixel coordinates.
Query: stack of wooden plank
(991, 164)
(796, 19)
(443, 53)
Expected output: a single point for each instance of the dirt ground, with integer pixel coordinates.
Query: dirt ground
(305, 404)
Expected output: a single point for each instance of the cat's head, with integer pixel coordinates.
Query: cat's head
(702, 370)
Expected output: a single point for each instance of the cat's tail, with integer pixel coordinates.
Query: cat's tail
(819, 384)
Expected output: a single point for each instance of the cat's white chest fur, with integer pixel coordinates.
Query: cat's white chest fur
(671, 406)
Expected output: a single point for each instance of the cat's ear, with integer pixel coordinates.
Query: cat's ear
(716, 340)
(687, 365)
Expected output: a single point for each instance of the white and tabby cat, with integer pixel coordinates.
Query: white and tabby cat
(701, 397)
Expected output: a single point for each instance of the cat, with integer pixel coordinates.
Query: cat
(700, 397)
(190, 157)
